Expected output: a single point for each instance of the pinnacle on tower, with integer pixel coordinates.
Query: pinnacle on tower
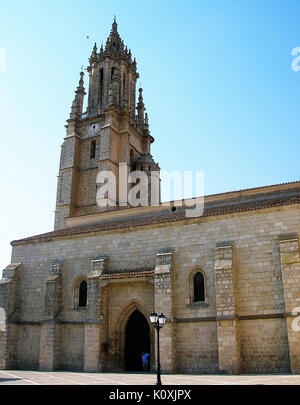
(77, 103)
(141, 108)
(80, 83)
(114, 24)
(94, 53)
(146, 124)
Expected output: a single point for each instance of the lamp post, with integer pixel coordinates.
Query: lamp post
(158, 322)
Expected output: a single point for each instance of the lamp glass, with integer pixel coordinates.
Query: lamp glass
(153, 317)
(161, 320)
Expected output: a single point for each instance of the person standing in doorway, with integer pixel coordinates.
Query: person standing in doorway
(146, 361)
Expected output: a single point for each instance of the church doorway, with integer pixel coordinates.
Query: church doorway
(137, 340)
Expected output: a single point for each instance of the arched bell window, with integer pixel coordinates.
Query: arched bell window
(199, 287)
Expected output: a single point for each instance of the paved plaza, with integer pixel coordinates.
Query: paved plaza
(20, 377)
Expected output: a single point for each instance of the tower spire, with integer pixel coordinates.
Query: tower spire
(114, 44)
(112, 77)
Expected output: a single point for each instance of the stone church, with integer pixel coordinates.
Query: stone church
(79, 297)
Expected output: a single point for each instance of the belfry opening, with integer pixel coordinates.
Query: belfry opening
(137, 340)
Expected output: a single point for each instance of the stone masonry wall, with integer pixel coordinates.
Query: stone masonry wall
(196, 347)
(264, 346)
(29, 347)
(72, 347)
(259, 291)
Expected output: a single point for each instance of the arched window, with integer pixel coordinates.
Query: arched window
(79, 289)
(199, 287)
(93, 150)
(82, 294)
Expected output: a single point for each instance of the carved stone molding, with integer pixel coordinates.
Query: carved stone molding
(99, 266)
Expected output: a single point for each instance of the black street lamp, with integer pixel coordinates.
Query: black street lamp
(158, 322)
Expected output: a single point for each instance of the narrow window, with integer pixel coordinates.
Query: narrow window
(131, 159)
(93, 150)
(129, 92)
(124, 86)
(101, 86)
(199, 287)
(82, 294)
(112, 72)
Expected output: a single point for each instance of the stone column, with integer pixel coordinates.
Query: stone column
(290, 267)
(50, 343)
(163, 300)
(227, 324)
(9, 312)
(94, 328)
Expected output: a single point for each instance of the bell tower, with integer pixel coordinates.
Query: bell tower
(112, 130)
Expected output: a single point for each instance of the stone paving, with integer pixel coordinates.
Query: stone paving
(21, 377)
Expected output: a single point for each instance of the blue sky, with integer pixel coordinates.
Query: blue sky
(218, 86)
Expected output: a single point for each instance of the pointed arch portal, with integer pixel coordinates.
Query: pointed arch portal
(137, 340)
